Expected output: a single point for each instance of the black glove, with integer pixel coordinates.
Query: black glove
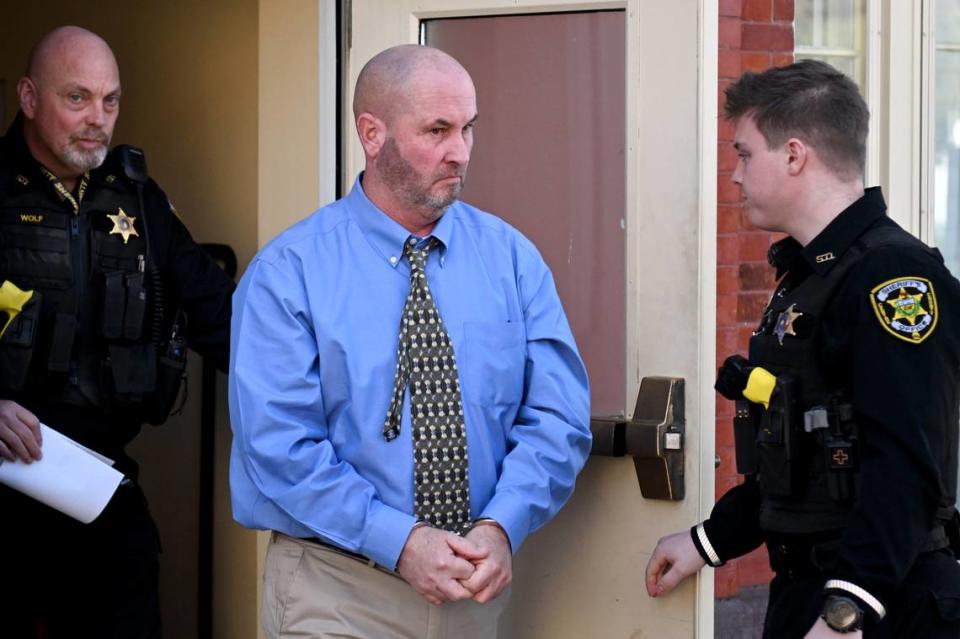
(732, 377)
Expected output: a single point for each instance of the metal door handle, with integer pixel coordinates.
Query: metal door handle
(654, 437)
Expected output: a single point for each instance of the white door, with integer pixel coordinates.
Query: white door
(646, 240)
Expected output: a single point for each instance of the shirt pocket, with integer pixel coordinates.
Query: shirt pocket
(494, 361)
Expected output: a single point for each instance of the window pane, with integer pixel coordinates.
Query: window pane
(550, 146)
(833, 31)
(828, 24)
(948, 21)
(946, 121)
(844, 64)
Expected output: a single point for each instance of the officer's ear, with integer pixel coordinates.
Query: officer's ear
(27, 95)
(797, 154)
(373, 133)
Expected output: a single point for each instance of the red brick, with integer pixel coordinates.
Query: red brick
(724, 414)
(730, 345)
(725, 129)
(725, 581)
(728, 464)
(728, 192)
(754, 568)
(727, 250)
(766, 37)
(725, 483)
(726, 157)
(755, 61)
(745, 224)
(755, 276)
(750, 306)
(753, 247)
(727, 280)
(724, 431)
(721, 92)
(728, 217)
(726, 342)
(783, 10)
(730, 35)
(757, 10)
(729, 66)
(726, 310)
(745, 332)
(731, 8)
(782, 59)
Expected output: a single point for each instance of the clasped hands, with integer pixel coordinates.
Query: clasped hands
(443, 566)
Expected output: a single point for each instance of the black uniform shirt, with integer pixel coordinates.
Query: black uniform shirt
(191, 280)
(904, 391)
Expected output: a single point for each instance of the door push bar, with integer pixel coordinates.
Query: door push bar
(654, 437)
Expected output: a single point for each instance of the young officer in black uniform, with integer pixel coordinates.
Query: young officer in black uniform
(101, 288)
(847, 408)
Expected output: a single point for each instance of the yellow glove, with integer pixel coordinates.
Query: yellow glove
(12, 301)
(760, 386)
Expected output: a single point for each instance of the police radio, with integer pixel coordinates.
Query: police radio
(171, 347)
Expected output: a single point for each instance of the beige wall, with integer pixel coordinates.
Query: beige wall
(189, 72)
(289, 120)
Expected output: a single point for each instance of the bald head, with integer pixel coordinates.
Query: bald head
(62, 44)
(386, 82)
(70, 99)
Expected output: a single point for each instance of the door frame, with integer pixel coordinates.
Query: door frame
(660, 180)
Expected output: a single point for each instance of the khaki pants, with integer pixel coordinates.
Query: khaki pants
(313, 591)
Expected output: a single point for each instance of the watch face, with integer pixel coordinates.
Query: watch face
(841, 613)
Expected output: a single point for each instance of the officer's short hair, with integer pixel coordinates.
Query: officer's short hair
(809, 100)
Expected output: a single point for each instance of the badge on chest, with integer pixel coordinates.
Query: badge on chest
(123, 225)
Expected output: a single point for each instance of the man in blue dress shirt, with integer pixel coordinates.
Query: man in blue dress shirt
(315, 339)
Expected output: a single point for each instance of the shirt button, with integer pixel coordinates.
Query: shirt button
(393, 259)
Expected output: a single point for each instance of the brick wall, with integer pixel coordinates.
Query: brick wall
(754, 35)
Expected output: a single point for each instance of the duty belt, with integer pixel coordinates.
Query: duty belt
(798, 556)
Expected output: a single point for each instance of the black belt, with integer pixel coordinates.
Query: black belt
(342, 551)
(795, 556)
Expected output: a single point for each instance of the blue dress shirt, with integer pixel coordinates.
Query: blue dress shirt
(313, 354)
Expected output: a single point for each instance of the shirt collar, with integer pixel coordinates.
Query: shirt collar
(832, 242)
(387, 236)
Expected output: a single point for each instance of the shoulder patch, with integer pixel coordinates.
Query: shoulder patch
(906, 307)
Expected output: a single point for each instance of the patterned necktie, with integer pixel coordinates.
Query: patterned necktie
(425, 363)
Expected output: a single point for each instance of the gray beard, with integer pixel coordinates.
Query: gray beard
(83, 161)
(403, 180)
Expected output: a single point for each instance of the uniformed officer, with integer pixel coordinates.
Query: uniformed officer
(847, 408)
(101, 287)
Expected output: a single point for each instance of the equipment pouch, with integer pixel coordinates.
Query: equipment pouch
(135, 307)
(17, 344)
(130, 374)
(778, 441)
(841, 462)
(170, 375)
(776, 472)
(113, 305)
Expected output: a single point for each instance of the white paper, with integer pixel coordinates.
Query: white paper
(71, 478)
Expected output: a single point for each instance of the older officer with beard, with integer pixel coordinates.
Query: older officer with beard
(400, 473)
(101, 285)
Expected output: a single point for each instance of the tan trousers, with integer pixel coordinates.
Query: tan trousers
(312, 591)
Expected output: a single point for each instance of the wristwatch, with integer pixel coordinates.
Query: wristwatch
(842, 614)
